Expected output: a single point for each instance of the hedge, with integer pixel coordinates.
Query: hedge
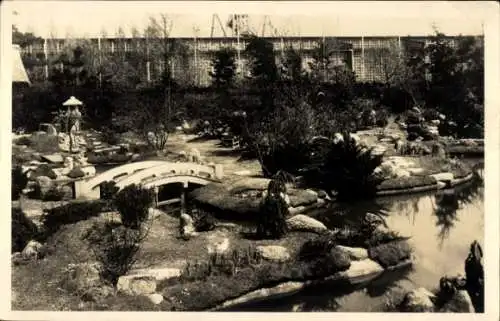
(71, 213)
(23, 230)
(406, 182)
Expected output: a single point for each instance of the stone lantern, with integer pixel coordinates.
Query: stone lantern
(73, 118)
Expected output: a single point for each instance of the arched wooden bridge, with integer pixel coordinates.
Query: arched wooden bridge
(150, 174)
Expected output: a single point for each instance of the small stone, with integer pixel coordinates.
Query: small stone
(273, 253)
(443, 177)
(156, 298)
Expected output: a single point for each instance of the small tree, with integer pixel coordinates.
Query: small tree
(224, 68)
(133, 202)
(19, 182)
(273, 211)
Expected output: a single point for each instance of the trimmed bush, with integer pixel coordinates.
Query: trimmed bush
(108, 190)
(390, 254)
(406, 182)
(19, 182)
(54, 194)
(23, 230)
(133, 203)
(70, 213)
(317, 247)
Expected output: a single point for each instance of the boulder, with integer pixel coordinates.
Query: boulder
(18, 259)
(217, 242)
(155, 298)
(354, 253)
(136, 285)
(76, 172)
(159, 274)
(362, 271)
(460, 302)
(273, 253)
(82, 276)
(305, 223)
(187, 227)
(44, 170)
(418, 300)
(52, 158)
(32, 250)
(444, 177)
(391, 253)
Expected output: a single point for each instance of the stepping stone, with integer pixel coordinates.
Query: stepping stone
(53, 158)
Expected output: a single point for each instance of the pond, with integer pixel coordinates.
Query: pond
(442, 225)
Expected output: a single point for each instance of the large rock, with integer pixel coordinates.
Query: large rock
(305, 223)
(460, 303)
(362, 271)
(136, 285)
(354, 253)
(82, 276)
(53, 158)
(391, 253)
(273, 253)
(32, 250)
(44, 170)
(444, 177)
(76, 172)
(187, 227)
(418, 300)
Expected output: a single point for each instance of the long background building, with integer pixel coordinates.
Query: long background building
(192, 64)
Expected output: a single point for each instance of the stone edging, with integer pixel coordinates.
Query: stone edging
(425, 188)
(292, 287)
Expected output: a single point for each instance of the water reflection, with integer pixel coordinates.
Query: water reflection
(451, 219)
(449, 202)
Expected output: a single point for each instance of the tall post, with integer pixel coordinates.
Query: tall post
(237, 21)
(183, 197)
(99, 55)
(363, 57)
(46, 57)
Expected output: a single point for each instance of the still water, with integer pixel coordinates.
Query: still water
(442, 226)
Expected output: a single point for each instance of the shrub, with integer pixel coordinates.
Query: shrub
(19, 182)
(317, 247)
(271, 220)
(54, 194)
(44, 143)
(110, 136)
(133, 202)
(70, 213)
(349, 170)
(406, 182)
(108, 190)
(390, 254)
(76, 172)
(203, 221)
(115, 247)
(23, 230)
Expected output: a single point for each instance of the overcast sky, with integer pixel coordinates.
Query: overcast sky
(82, 18)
